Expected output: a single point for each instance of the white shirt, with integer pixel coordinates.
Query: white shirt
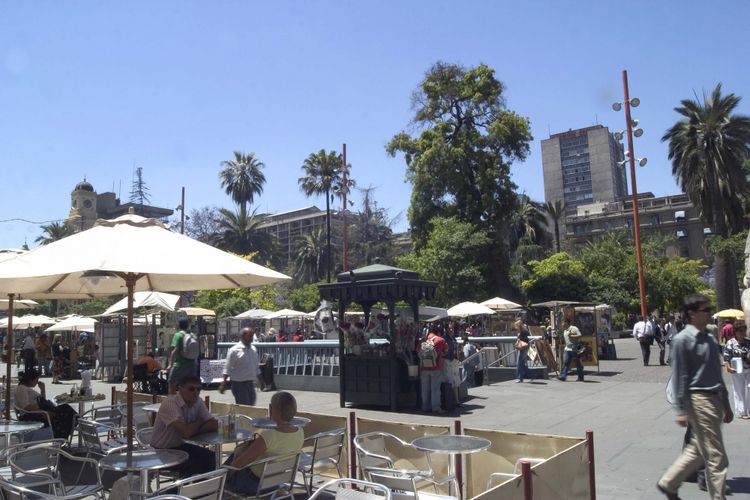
(242, 363)
(641, 329)
(26, 396)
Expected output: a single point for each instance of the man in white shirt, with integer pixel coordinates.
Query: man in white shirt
(29, 352)
(644, 333)
(242, 369)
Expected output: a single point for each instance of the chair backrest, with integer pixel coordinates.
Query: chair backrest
(393, 480)
(10, 491)
(358, 490)
(140, 417)
(106, 415)
(38, 460)
(143, 436)
(208, 486)
(328, 445)
(372, 451)
(169, 497)
(278, 471)
(89, 433)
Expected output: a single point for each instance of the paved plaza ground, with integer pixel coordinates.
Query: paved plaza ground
(635, 436)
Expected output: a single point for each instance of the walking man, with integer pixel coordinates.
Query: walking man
(183, 363)
(572, 335)
(701, 401)
(644, 334)
(242, 369)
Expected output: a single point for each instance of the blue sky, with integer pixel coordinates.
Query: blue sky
(95, 88)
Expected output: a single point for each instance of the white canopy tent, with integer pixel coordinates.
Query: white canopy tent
(501, 304)
(73, 323)
(127, 254)
(149, 300)
(285, 313)
(32, 321)
(254, 314)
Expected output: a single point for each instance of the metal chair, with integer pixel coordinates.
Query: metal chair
(169, 497)
(403, 485)
(143, 437)
(372, 451)
(277, 477)
(207, 486)
(326, 451)
(338, 490)
(5, 453)
(516, 470)
(39, 416)
(91, 439)
(141, 419)
(26, 463)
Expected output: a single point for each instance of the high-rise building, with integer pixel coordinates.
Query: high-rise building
(580, 167)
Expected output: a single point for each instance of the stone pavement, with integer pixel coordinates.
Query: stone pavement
(635, 436)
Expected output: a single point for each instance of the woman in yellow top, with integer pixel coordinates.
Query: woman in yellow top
(266, 443)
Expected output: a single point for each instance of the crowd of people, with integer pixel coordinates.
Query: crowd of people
(56, 358)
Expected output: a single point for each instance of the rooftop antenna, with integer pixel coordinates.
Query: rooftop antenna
(596, 119)
(549, 130)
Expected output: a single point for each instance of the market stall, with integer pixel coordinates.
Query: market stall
(376, 355)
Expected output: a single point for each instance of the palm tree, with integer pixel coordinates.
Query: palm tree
(555, 210)
(323, 172)
(54, 231)
(528, 220)
(238, 232)
(242, 179)
(707, 148)
(308, 259)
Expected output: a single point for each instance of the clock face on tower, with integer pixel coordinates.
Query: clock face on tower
(87, 203)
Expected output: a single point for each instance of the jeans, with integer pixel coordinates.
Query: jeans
(645, 350)
(662, 351)
(569, 356)
(467, 378)
(244, 392)
(201, 460)
(242, 481)
(521, 363)
(430, 381)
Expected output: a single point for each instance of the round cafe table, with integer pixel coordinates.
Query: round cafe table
(142, 462)
(451, 445)
(18, 427)
(268, 423)
(216, 438)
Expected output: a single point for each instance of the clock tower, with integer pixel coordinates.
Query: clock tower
(82, 206)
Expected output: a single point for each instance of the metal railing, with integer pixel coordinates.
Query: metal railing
(310, 358)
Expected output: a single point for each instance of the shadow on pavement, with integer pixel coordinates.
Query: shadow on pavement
(739, 484)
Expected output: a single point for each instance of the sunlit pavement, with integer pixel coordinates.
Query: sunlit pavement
(635, 436)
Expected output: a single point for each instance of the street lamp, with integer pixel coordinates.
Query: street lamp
(631, 129)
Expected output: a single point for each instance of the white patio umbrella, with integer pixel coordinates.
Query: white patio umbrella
(149, 300)
(500, 304)
(73, 324)
(430, 313)
(285, 313)
(196, 311)
(127, 254)
(18, 304)
(4, 321)
(253, 314)
(32, 320)
(465, 309)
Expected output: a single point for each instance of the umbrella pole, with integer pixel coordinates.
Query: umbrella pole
(9, 357)
(130, 280)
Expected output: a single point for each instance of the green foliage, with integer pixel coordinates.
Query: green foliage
(310, 257)
(238, 233)
(370, 234)
(558, 277)
(305, 298)
(139, 190)
(54, 231)
(88, 307)
(233, 301)
(451, 256)
(242, 178)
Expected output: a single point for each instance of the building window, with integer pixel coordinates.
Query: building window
(679, 215)
(655, 220)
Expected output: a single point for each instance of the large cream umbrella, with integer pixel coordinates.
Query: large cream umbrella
(32, 320)
(256, 314)
(148, 300)
(73, 323)
(465, 309)
(501, 304)
(18, 304)
(127, 254)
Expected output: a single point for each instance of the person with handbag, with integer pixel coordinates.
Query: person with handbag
(738, 347)
(572, 335)
(522, 350)
(62, 417)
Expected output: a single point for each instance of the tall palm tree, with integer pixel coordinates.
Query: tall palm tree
(242, 179)
(308, 259)
(555, 210)
(322, 173)
(707, 148)
(238, 232)
(54, 231)
(528, 220)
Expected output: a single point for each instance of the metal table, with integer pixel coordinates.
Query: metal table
(451, 445)
(18, 427)
(268, 423)
(142, 462)
(151, 408)
(216, 438)
(81, 400)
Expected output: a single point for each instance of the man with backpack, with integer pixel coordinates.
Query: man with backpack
(184, 355)
(430, 354)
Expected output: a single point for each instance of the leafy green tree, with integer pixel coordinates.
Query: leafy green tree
(558, 277)
(233, 301)
(238, 233)
(54, 231)
(203, 224)
(451, 257)
(459, 164)
(323, 172)
(304, 298)
(733, 245)
(708, 147)
(555, 210)
(309, 257)
(242, 178)
(370, 234)
(139, 190)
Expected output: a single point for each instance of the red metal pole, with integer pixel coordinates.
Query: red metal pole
(528, 489)
(352, 449)
(346, 222)
(592, 472)
(458, 464)
(636, 217)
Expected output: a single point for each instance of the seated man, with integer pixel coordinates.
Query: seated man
(153, 368)
(282, 440)
(182, 416)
